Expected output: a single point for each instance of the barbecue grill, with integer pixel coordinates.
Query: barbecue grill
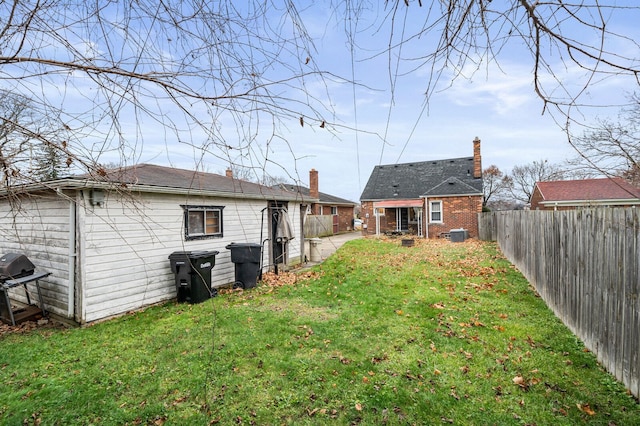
(17, 270)
(14, 265)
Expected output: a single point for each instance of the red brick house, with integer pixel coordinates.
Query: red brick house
(573, 194)
(322, 204)
(427, 198)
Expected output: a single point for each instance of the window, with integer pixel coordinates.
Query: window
(202, 222)
(334, 210)
(435, 208)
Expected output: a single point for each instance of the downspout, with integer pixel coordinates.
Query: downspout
(303, 216)
(262, 243)
(71, 302)
(425, 225)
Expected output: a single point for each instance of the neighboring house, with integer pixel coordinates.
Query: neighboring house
(572, 194)
(426, 198)
(106, 239)
(341, 211)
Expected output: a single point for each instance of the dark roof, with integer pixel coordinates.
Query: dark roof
(588, 190)
(323, 198)
(422, 179)
(161, 179)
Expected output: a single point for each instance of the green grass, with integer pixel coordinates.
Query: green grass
(438, 333)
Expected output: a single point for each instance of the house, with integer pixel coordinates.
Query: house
(342, 211)
(572, 194)
(426, 198)
(106, 239)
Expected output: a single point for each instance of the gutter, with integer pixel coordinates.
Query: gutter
(593, 203)
(115, 186)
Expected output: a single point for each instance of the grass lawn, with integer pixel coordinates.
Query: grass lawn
(438, 333)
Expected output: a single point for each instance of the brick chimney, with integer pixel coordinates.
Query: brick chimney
(477, 159)
(229, 173)
(313, 184)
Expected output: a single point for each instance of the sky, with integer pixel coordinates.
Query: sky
(374, 102)
(497, 104)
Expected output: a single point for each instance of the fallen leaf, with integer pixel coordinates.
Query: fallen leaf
(586, 409)
(358, 406)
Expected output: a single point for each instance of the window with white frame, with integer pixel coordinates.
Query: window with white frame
(435, 211)
(202, 222)
(334, 210)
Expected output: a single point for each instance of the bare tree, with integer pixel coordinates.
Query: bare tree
(586, 40)
(524, 177)
(14, 146)
(612, 148)
(494, 184)
(227, 78)
(200, 71)
(29, 148)
(269, 180)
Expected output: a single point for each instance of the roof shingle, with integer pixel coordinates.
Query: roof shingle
(323, 197)
(588, 190)
(422, 179)
(150, 175)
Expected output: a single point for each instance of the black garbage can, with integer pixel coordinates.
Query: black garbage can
(246, 257)
(192, 270)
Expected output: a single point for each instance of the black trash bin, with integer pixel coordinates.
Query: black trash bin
(192, 271)
(246, 257)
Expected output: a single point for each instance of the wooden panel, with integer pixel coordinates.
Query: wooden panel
(586, 265)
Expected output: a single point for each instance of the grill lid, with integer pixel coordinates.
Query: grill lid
(15, 265)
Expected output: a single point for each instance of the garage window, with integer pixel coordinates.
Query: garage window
(202, 222)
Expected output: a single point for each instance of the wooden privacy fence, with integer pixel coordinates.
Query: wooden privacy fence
(585, 264)
(318, 226)
(487, 226)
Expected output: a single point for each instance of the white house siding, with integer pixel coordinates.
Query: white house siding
(125, 247)
(38, 226)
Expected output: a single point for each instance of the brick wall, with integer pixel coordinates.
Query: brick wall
(345, 219)
(536, 198)
(457, 212)
(345, 215)
(368, 219)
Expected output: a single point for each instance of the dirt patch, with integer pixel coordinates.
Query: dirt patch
(29, 326)
(300, 310)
